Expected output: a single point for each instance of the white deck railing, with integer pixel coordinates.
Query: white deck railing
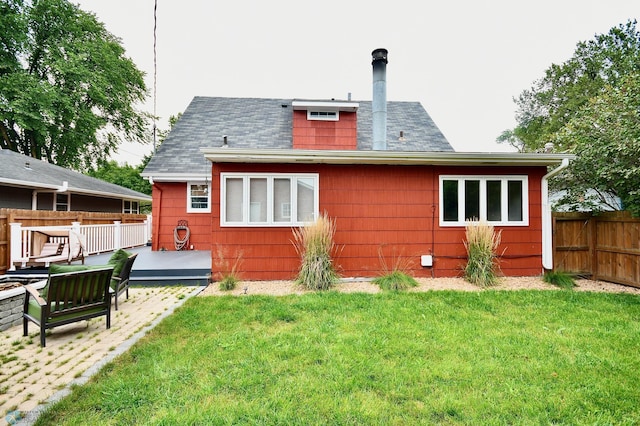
(98, 238)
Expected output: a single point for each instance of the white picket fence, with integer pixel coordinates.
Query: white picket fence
(98, 238)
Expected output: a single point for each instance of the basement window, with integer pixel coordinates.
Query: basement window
(498, 200)
(268, 200)
(323, 115)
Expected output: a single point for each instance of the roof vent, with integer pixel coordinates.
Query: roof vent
(27, 165)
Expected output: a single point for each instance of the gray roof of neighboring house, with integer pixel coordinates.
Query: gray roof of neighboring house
(256, 123)
(42, 175)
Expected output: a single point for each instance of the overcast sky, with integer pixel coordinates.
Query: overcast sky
(464, 61)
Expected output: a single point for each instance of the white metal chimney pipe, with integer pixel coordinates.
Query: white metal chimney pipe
(379, 102)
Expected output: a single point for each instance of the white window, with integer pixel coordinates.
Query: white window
(61, 202)
(130, 207)
(268, 200)
(323, 115)
(198, 197)
(498, 200)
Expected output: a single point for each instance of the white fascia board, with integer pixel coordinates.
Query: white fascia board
(293, 156)
(176, 177)
(108, 194)
(28, 184)
(325, 106)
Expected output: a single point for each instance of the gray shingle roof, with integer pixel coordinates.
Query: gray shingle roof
(256, 123)
(41, 174)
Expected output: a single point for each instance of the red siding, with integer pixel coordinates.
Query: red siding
(319, 134)
(375, 207)
(171, 200)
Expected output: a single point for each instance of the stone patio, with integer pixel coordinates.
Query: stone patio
(32, 377)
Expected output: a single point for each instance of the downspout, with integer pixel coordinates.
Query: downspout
(155, 236)
(547, 237)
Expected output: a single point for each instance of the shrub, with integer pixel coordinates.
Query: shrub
(395, 281)
(482, 260)
(227, 270)
(559, 278)
(395, 278)
(314, 244)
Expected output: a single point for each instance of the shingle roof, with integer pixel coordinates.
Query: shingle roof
(256, 123)
(40, 174)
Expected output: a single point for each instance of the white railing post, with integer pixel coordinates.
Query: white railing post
(146, 231)
(75, 226)
(117, 235)
(16, 244)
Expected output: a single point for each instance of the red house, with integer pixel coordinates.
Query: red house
(244, 171)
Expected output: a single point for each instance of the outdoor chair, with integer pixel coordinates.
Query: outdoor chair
(69, 297)
(120, 280)
(71, 249)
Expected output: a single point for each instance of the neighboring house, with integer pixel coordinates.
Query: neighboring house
(31, 184)
(243, 172)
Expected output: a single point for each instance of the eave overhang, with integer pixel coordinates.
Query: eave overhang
(296, 156)
(42, 187)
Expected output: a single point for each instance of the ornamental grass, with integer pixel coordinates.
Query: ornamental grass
(481, 243)
(314, 243)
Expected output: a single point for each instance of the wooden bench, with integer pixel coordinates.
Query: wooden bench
(67, 298)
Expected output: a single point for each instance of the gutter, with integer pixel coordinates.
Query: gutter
(299, 156)
(547, 231)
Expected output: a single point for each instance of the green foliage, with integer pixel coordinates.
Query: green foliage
(228, 282)
(588, 106)
(606, 135)
(395, 276)
(125, 176)
(559, 278)
(395, 281)
(227, 267)
(482, 260)
(314, 243)
(554, 99)
(440, 357)
(67, 90)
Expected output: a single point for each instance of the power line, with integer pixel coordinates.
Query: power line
(155, 72)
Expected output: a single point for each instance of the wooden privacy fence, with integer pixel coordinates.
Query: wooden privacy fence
(35, 218)
(604, 247)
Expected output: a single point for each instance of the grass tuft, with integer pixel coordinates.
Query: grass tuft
(314, 244)
(395, 277)
(482, 245)
(559, 279)
(227, 268)
(395, 281)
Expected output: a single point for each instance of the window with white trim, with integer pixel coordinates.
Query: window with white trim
(130, 207)
(268, 199)
(323, 115)
(498, 200)
(61, 203)
(198, 197)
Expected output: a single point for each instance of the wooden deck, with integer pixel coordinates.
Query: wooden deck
(153, 268)
(189, 267)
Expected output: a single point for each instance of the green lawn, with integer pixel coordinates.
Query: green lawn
(490, 357)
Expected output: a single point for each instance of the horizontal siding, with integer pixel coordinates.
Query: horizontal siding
(376, 209)
(171, 200)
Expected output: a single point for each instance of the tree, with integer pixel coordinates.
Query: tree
(605, 135)
(555, 99)
(126, 176)
(589, 106)
(67, 91)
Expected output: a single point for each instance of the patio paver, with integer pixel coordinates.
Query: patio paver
(32, 377)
